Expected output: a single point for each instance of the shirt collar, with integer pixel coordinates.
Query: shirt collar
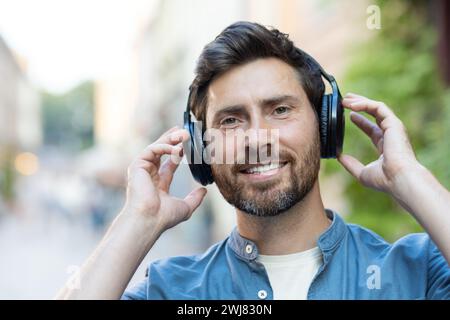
(247, 250)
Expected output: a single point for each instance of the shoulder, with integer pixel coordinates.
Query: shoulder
(370, 238)
(416, 252)
(187, 277)
(173, 277)
(410, 267)
(413, 246)
(188, 263)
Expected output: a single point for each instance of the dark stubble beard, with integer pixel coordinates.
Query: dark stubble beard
(274, 197)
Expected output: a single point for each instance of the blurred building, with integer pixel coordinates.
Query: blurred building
(20, 124)
(115, 103)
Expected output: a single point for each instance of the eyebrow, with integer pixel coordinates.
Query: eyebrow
(279, 99)
(237, 108)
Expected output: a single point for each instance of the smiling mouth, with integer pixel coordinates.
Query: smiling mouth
(263, 169)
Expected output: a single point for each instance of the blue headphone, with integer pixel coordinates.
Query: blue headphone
(331, 126)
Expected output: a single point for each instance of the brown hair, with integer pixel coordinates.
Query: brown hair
(241, 43)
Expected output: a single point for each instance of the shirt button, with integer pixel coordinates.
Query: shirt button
(249, 248)
(262, 294)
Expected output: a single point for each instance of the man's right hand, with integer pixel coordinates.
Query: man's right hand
(149, 181)
(149, 210)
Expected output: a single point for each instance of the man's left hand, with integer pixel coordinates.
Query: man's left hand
(388, 134)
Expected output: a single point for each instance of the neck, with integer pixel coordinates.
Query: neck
(295, 230)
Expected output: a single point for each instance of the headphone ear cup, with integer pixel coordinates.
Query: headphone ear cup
(204, 175)
(340, 126)
(194, 147)
(188, 146)
(324, 124)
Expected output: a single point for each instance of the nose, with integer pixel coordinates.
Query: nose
(260, 140)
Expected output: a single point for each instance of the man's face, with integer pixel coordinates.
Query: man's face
(264, 95)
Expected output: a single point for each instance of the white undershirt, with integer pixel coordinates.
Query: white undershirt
(291, 275)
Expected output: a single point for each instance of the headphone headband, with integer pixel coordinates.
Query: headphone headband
(324, 74)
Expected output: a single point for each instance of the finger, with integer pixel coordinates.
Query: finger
(369, 128)
(154, 152)
(167, 133)
(140, 164)
(384, 116)
(167, 170)
(173, 137)
(352, 165)
(194, 199)
(350, 99)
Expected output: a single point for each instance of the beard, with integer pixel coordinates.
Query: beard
(274, 196)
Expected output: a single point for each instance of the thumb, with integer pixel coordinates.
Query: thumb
(194, 198)
(351, 164)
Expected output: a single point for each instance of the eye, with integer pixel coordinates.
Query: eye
(229, 121)
(281, 110)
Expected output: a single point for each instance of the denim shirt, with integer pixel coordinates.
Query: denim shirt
(357, 264)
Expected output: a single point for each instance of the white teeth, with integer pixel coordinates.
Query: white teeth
(264, 168)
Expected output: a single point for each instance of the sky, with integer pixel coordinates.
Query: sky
(66, 42)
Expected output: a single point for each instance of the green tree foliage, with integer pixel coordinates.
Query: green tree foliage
(7, 173)
(68, 118)
(398, 66)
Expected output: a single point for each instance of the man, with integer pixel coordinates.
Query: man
(286, 244)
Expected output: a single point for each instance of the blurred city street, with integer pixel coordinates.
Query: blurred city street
(37, 254)
(55, 226)
(86, 85)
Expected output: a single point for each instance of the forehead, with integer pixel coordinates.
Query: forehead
(253, 81)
